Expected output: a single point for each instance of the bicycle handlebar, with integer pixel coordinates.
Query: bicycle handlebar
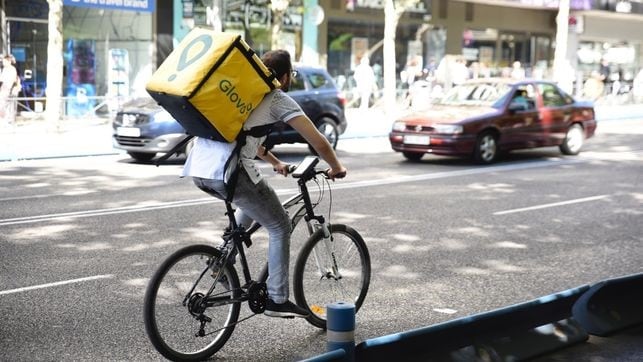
(306, 169)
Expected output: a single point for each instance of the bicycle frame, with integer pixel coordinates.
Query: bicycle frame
(239, 236)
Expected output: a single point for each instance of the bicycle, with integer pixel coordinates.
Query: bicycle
(192, 303)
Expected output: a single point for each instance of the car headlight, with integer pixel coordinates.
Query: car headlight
(399, 126)
(448, 128)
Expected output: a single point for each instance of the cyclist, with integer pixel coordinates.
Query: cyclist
(210, 170)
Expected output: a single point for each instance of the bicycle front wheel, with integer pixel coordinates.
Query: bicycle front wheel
(329, 270)
(181, 322)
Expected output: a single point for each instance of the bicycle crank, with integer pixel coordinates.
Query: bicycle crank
(257, 297)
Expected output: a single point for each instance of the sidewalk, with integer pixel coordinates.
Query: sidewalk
(31, 139)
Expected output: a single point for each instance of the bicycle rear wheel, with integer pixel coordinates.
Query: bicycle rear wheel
(337, 269)
(174, 316)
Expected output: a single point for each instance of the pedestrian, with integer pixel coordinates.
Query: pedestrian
(605, 72)
(9, 87)
(517, 71)
(364, 81)
(255, 199)
(460, 71)
(377, 70)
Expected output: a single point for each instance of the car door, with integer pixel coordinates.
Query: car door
(519, 122)
(555, 113)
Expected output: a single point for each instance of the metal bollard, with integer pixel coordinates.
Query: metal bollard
(340, 326)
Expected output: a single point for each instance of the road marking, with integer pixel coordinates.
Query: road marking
(445, 310)
(544, 206)
(291, 191)
(100, 212)
(49, 285)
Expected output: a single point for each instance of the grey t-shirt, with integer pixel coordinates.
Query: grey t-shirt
(208, 158)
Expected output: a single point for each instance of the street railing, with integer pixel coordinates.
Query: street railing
(33, 108)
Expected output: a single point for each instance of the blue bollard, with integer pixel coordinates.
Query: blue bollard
(340, 328)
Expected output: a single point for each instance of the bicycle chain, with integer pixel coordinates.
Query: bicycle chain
(229, 325)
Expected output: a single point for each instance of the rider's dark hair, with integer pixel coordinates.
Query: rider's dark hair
(278, 61)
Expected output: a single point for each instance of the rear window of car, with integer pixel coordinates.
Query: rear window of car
(475, 94)
(319, 80)
(552, 97)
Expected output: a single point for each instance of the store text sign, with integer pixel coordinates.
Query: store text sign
(132, 5)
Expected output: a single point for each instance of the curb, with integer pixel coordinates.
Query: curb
(517, 332)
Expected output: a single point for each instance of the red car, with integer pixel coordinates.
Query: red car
(481, 118)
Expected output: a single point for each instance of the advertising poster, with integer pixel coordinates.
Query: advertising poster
(80, 63)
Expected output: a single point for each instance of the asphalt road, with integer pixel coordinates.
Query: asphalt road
(79, 238)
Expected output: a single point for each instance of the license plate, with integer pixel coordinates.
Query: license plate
(128, 131)
(416, 139)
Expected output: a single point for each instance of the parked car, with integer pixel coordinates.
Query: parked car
(481, 118)
(143, 128)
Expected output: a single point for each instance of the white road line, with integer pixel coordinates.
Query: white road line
(544, 206)
(445, 310)
(99, 212)
(290, 191)
(41, 286)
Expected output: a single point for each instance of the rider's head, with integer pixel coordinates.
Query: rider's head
(279, 62)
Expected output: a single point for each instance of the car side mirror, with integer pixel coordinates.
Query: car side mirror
(517, 107)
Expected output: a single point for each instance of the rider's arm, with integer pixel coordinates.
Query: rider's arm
(276, 163)
(307, 129)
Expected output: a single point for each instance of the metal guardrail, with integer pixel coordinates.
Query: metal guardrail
(71, 107)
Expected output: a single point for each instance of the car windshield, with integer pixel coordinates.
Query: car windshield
(476, 94)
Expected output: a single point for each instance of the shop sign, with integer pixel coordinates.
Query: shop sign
(260, 17)
(419, 6)
(573, 4)
(188, 9)
(131, 5)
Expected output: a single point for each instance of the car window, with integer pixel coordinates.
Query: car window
(475, 94)
(297, 82)
(525, 97)
(318, 80)
(551, 96)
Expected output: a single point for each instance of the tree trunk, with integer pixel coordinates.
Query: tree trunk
(390, 73)
(277, 21)
(54, 63)
(560, 54)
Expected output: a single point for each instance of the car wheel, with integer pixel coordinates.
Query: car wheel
(413, 156)
(328, 128)
(142, 157)
(573, 140)
(486, 150)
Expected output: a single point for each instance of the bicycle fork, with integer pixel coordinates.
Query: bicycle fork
(327, 241)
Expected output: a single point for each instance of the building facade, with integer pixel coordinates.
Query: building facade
(111, 47)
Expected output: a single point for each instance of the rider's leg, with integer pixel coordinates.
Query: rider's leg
(260, 202)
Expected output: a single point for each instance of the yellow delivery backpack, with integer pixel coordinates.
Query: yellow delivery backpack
(211, 83)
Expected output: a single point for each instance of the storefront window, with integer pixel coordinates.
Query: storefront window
(105, 50)
(107, 53)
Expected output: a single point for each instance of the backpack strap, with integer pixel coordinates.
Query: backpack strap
(257, 131)
(235, 155)
(179, 146)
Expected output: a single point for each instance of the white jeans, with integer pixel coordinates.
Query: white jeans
(260, 202)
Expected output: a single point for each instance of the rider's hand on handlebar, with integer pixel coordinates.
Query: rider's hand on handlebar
(332, 173)
(282, 168)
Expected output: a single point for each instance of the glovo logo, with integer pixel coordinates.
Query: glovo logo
(229, 90)
(204, 40)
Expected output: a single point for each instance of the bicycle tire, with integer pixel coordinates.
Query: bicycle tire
(169, 324)
(314, 288)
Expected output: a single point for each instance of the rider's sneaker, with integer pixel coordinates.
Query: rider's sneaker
(284, 310)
